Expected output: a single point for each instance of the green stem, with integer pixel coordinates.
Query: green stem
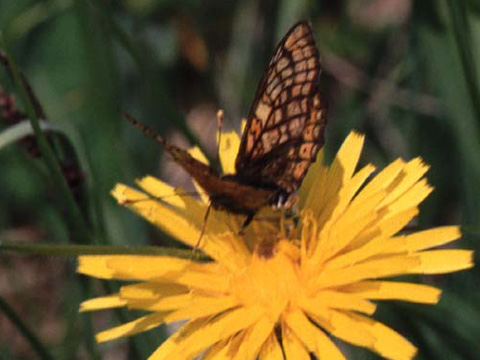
(74, 216)
(77, 250)
(28, 334)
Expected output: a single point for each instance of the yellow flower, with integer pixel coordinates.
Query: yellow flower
(289, 284)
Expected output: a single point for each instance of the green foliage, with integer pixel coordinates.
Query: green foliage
(410, 82)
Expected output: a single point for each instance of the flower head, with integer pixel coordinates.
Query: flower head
(289, 284)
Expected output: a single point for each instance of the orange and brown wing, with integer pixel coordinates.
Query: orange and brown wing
(285, 127)
(225, 193)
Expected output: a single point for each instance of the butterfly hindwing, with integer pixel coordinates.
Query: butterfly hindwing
(286, 123)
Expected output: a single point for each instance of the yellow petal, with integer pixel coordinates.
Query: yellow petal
(218, 328)
(149, 206)
(389, 226)
(156, 268)
(142, 324)
(165, 303)
(104, 302)
(162, 216)
(310, 194)
(152, 290)
(152, 267)
(219, 351)
(225, 349)
(391, 344)
(383, 180)
(338, 300)
(314, 339)
(254, 338)
(389, 290)
(346, 160)
(293, 347)
(164, 268)
(271, 349)
(388, 343)
(243, 125)
(375, 241)
(197, 154)
(329, 180)
(343, 165)
(228, 250)
(343, 326)
(200, 156)
(443, 261)
(373, 269)
(433, 237)
(337, 205)
(169, 350)
(371, 249)
(185, 224)
(342, 235)
(411, 197)
(230, 143)
(199, 307)
(161, 190)
(411, 173)
(96, 266)
(123, 194)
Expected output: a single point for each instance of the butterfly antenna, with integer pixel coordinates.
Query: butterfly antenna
(219, 130)
(202, 232)
(159, 198)
(145, 129)
(245, 223)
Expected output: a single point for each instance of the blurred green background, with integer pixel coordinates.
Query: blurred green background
(404, 73)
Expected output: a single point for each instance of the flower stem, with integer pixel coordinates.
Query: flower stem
(77, 250)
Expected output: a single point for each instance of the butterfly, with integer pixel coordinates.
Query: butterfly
(283, 134)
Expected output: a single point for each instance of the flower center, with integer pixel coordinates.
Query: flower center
(271, 280)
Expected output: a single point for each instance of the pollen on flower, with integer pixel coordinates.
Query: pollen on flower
(270, 281)
(266, 248)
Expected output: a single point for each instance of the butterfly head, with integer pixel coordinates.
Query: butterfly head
(284, 200)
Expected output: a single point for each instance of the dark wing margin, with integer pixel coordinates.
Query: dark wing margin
(285, 127)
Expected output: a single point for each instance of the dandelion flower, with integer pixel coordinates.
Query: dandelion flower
(288, 286)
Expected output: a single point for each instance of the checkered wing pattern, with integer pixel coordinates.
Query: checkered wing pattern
(285, 127)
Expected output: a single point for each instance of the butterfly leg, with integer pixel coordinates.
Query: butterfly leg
(291, 202)
(204, 226)
(247, 221)
(157, 198)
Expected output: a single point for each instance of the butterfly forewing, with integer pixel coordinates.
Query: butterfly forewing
(283, 134)
(286, 122)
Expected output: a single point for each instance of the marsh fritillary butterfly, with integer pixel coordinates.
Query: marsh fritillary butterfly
(283, 134)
